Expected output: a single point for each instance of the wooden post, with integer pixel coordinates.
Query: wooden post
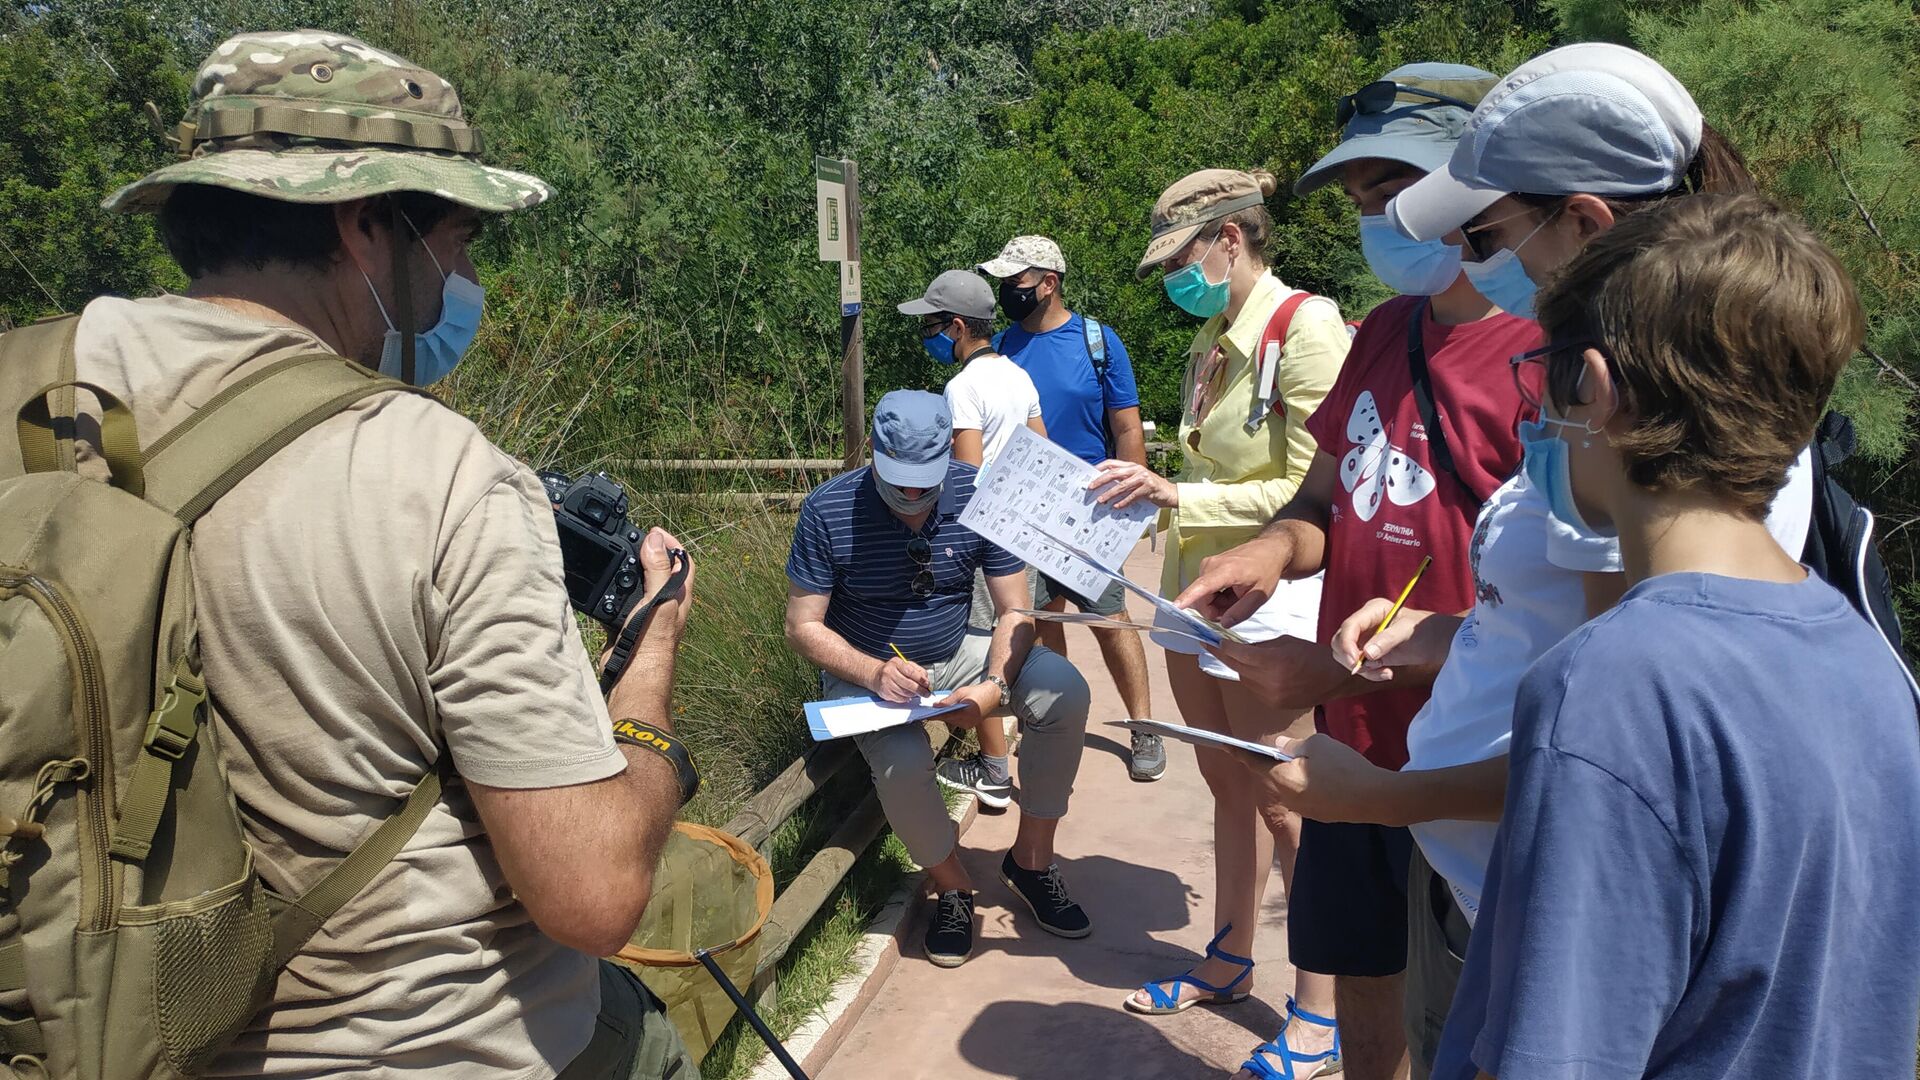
(853, 375)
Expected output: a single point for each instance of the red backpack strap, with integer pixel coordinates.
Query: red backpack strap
(1268, 354)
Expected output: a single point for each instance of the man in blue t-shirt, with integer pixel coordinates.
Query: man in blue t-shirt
(881, 574)
(1706, 864)
(1091, 407)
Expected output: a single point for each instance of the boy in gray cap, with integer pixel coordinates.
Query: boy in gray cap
(882, 580)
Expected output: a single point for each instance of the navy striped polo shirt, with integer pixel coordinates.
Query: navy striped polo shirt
(848, 544)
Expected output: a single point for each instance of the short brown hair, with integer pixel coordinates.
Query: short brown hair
(1725, 324)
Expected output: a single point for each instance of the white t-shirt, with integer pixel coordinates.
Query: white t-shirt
(1527, 597)
(992, 395)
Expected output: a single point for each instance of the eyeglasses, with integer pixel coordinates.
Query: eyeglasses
(933, 329)
(1484, 248)
(921, 552)
(1379, 97)
(1530, 368)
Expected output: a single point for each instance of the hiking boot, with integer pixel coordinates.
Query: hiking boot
(1046, 893)
(970, 774)
(950, 935)
(1149, 757)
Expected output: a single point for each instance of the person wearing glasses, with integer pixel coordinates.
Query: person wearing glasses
(1694, 875)
(988, 398)
(1534, 577)
(881, 579)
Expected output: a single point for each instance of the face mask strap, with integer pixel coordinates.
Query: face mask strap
(403, 292)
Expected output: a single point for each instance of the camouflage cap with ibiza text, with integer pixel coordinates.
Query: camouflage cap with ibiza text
(316, 117)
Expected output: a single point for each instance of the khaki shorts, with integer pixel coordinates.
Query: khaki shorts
(1437, 934)
(632, 1037)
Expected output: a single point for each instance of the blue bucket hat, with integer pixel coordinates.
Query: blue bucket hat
(1415, 114)
(912, 438)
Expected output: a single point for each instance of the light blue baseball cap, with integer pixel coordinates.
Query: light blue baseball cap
(912, 438)
(1594, 119)
(1415, 114)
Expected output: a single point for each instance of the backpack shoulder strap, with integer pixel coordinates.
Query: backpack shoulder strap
(1267, 356)
(31, 358)
(296, 923)
(1423, 397)
(192, 466)
(187, 470)
(1096, 346)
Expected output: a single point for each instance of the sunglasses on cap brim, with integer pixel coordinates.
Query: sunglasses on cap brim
(1382, 96)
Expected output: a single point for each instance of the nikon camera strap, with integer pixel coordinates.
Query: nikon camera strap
(622, 653)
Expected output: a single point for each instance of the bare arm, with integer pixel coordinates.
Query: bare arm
(1330, 781)
(1037, 425)
(581, 858)
(1129, 436)
(1012, 639)
(1233, 584)
(808, 634)
(968, 446)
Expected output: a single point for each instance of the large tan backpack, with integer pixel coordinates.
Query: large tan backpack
(135, 938)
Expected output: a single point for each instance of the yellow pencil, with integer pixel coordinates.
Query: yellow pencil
(903, 656)
(1395, 610)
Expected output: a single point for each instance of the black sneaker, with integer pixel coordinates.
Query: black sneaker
(1149, 757)
(1046, 894)
(970, 774)
(950, 936)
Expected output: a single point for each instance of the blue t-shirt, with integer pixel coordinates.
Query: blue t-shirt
(1073, 402)
(1707, 863)
(849, 544)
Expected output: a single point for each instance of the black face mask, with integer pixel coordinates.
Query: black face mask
(1018, 303)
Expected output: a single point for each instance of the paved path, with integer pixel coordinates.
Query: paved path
(1031, 1006)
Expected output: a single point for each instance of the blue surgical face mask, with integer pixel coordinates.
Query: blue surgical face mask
(436, 352)
(1545, 459)
(939, 346)
(1504, 282)
(1409, 267)
(1192, 293)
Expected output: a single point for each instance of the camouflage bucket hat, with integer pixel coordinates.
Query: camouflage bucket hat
(315, 117)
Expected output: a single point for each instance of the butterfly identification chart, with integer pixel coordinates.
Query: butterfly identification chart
(1033, 501)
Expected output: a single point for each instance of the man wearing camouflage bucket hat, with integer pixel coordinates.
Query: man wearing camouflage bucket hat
(384, 597)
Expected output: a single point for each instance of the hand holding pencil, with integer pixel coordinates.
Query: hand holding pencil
(1381, 623)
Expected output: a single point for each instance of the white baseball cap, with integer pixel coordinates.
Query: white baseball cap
(1593, 118)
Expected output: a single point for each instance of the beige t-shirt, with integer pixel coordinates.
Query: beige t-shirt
(388, 583)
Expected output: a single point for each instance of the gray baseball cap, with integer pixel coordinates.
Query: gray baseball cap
(1412, 127)
(913, 435)
(961, 292)
(1593, 119)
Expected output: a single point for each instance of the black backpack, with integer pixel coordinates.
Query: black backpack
(1840, 538)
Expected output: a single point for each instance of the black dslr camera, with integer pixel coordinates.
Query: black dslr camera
(600, 547)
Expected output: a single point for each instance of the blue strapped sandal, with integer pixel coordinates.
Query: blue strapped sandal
(1166, 994)
(1325, 1063)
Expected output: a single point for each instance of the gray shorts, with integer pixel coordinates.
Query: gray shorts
(1437, 933)
(1109, 603)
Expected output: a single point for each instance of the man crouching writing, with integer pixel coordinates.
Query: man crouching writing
(882, 581)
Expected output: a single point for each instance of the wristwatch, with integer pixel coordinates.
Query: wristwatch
(648, 737)
(1006, 692)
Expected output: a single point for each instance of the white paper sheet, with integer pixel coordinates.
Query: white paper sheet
(842, 717)
(1199, 737)
(1086, 618)
(1036, 492)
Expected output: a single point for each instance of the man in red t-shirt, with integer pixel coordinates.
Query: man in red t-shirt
(1394, 481)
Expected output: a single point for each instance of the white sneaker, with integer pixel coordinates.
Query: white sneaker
(970, 774)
